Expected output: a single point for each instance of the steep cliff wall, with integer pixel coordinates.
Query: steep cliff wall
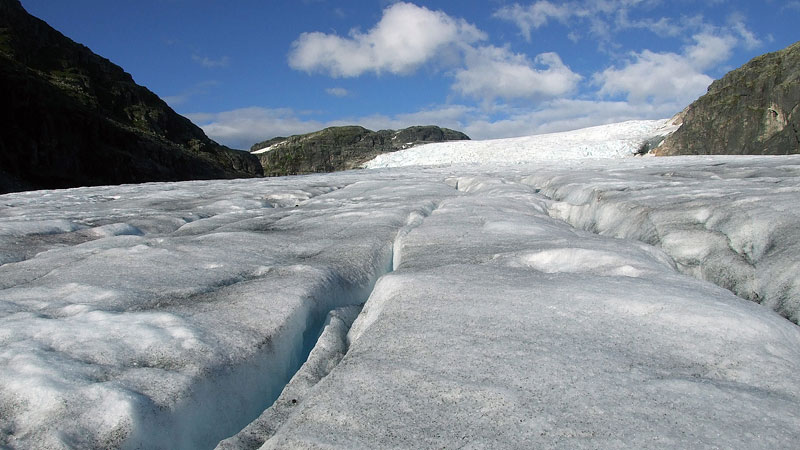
(753, 110)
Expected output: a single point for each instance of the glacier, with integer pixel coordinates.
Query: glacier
(581, 302)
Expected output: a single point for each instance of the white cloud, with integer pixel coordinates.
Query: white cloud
(496, 72)
(602, 15)
(667, 77)
(205, 61)
(406, 37)
(536, 15)
(709, 50)
(653, 76)
(337, 92)
(601, 19)
(749, 38)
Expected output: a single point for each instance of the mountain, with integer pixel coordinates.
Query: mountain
(753, 110)
(341, 148)
(72, 118)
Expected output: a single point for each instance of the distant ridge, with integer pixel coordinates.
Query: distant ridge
(341, 148)
(753, 110)
(72, 118)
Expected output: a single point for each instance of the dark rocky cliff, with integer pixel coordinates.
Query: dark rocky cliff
(342, 148)
(72, 118)
(753, 110)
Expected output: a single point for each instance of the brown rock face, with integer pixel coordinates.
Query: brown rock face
(72, 118)
(753, 110)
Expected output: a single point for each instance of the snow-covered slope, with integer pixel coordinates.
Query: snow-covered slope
(172, 315)
(605, 141)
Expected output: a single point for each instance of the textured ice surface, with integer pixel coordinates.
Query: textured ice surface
(178, 335)
(730, 220)
(171, 315)
(485, 337)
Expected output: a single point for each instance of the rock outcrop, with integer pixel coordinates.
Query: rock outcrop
(753, 110)
(72, 118)
(341, 148)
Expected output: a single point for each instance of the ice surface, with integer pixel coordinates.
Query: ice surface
(730, 220)
(179, 334)
(469, 343)
(509, 307)
(605, 141)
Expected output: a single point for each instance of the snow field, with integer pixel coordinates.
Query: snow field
(605, 141)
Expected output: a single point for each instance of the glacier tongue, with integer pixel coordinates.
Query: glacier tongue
(171, 315)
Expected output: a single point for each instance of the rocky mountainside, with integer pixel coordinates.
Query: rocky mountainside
(341, 148)
(72, 118)
(753, 110)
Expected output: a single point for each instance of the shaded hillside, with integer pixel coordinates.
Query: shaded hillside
(753, 110)
(73, 118)
(341, 148)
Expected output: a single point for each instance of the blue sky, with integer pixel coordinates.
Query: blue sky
(249, 70)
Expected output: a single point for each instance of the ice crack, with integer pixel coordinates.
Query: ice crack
(325, 345)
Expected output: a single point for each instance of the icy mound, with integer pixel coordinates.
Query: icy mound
(730, 220)
(606, 141)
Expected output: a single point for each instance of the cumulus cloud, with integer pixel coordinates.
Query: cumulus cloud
(406, 37)
(709, 50)
(496, 72)
(667, 77)
(651, 76)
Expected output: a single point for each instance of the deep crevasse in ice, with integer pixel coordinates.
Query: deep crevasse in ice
(181, 334)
